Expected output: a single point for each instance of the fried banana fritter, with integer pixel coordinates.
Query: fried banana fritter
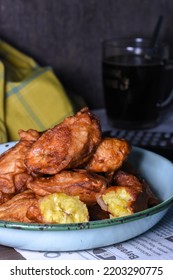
(109, 156)
(131, 180)
(67, 145)
(79, 183)
(122, 201)
(127, 195)
(15, 209)
(13, 172)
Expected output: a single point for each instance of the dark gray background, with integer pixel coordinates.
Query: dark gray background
(67, 34)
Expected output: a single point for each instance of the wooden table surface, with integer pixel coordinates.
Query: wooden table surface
(7, 253)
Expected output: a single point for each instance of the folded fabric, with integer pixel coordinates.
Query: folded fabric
(31, 96)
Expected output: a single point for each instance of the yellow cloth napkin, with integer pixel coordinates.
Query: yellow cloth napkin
(30, 96)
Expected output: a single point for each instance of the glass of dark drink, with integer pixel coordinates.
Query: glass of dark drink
(134, 81)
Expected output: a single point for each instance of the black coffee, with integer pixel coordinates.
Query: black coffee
(131, 89)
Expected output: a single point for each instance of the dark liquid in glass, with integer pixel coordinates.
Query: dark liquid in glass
(131, 90)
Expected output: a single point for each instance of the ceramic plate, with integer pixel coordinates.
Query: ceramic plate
(157, 170)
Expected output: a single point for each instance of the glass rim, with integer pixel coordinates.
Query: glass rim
(143, 42)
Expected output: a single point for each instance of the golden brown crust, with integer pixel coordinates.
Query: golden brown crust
(122, 178)
(29, 135)
(67, 145)
(131, 180)
(13, 172)
(16, 208)
(79, 183)
(109, 156)
(5, 197)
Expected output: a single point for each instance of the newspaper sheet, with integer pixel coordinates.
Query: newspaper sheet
(155, 244)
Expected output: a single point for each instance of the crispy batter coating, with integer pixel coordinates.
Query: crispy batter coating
(29, 135)
(13, 172)
(131, 180)
(15, 209)
(79, 183)
(109, 156)
(67, 145)
(122, 178)
(5, 197)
